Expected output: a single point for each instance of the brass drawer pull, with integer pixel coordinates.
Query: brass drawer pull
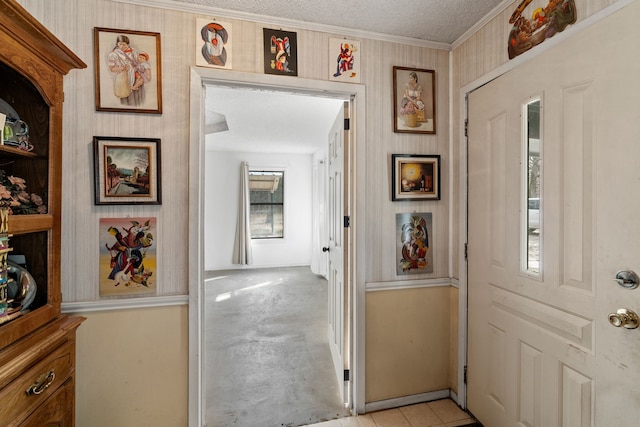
(41, 383)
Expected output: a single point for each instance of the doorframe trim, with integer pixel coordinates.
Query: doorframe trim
(355, 93)
(463, 93)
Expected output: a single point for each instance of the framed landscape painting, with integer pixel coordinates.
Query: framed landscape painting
(126, 171)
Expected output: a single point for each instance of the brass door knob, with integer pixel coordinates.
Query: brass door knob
(624, 318)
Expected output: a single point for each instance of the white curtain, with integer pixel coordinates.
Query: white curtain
(242, 247)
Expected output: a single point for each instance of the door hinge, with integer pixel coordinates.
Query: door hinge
(466, 251)
(347, 375)
(347, 221)
(465, 375)
(466, 127)
(347, 124)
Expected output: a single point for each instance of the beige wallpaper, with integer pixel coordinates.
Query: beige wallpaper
(177, 29)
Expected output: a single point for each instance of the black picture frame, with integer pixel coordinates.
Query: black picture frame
(415, 177)
(127, 171)
(280, 52)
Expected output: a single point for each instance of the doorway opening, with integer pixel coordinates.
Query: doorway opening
(201, 78)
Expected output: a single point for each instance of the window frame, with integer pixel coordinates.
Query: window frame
(268, 171)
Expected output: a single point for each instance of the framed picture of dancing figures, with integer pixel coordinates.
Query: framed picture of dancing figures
(414, 109)
(128, 256)
(128, 76)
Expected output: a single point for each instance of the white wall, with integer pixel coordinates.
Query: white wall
(222, 178)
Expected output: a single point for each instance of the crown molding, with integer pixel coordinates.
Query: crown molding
(482, 22)
(219, 13)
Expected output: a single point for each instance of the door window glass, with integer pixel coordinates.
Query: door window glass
(532, 213)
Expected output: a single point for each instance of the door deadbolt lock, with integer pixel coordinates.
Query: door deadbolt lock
(627, 279)
(624, 318)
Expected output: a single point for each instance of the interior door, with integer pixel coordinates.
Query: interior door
(543, 349)
(319, 257)
(336, 276)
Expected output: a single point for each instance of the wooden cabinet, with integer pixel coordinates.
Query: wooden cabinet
(37, 345)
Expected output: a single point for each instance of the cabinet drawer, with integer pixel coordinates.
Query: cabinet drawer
(33, 387)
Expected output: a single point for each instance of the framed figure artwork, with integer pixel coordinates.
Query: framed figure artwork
(213, 44)
(414, 109)
(127, 171)
(280, 52)
(128, 251)
(414, 253)
(415, 177)
(344, 60)
(128, 75)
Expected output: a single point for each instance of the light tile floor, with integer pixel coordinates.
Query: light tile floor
(439, 413)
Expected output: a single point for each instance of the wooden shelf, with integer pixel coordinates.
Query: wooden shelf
(20, 224)
(7, 149)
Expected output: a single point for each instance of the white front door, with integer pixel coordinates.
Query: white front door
(336, 275)
(542, 349)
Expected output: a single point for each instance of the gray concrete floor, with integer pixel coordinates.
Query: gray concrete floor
(268, 362)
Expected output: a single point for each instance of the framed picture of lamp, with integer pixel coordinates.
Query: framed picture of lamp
(126, 171)
(415, 177)
(414, 109)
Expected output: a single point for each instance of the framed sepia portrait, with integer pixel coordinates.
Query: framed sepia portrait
(128, 75)
(127, 171)
(415, 177)
(414, 109)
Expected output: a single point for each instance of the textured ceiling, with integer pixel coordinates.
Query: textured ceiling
(442, 21)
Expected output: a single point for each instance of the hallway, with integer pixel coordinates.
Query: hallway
(267, 357)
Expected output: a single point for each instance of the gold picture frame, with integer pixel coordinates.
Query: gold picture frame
(415, 177)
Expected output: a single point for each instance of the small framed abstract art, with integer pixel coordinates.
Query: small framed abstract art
(280, 52)
(344, 60)
(413, 251)
(213, 46)
(415, 177)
